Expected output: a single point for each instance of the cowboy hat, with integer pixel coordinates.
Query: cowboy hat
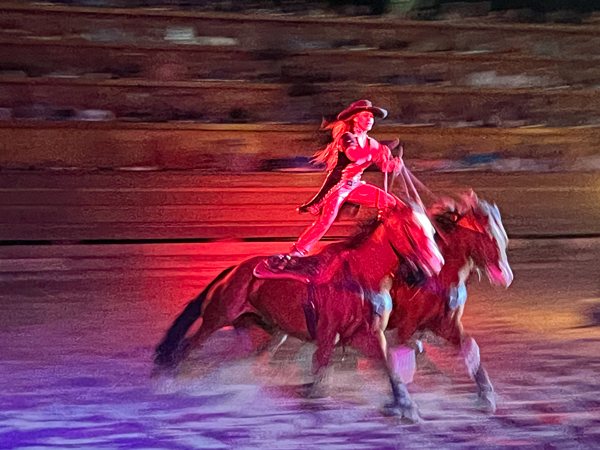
(360, 106)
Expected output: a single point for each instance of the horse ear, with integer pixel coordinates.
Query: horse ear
(442, 206)
(468, 201)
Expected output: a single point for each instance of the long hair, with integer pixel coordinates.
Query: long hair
(329, 155)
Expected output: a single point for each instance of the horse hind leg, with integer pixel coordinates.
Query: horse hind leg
(485, 390)
(212, 321)
(273, 344)
(207, 328)
(265, 337)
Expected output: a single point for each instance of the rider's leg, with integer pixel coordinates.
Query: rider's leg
(314, 232)
(371, 196)
(364, 194)
(317, 230)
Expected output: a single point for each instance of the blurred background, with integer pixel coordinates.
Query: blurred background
(146, 145)
(501, 96)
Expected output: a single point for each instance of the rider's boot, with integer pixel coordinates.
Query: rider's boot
(281, 262)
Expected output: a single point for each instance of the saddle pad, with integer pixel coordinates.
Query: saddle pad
(264, 271)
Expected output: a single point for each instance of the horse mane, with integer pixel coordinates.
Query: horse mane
(446, 212)
(365, 230)
(444, 215)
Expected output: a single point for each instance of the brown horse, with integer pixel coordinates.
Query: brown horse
(471, 236)
(345, 272)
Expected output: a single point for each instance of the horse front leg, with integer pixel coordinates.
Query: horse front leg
(469, 353)
(452, 330)
(372, 345)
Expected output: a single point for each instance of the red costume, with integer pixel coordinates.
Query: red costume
(347, 157)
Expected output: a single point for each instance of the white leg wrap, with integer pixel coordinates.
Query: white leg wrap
(403, 363)
(469, 354)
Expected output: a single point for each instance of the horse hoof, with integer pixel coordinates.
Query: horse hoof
(487, 402)
(406, 417)
(411, 415)
(408, 414)
(312, 391)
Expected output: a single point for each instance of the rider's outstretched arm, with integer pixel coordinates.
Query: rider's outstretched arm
(385, 161)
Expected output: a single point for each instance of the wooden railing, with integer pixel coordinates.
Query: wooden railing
(160, 61)
(80, 206)
(33, 144)
(259, 31)
(217, 101)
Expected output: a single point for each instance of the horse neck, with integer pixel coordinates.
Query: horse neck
(457, 264)
(373, 260)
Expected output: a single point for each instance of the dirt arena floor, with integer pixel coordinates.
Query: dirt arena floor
(78, 325)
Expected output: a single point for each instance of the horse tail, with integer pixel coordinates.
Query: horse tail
(168, 352)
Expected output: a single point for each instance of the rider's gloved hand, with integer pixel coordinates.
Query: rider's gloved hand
(398, 165)
(392, 165)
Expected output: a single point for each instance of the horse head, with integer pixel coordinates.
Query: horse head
(411, 235)
(476, 228)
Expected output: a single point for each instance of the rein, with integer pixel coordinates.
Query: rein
(408, 183)
(409, 186)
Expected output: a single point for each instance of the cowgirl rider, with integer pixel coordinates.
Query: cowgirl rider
(347, 157)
